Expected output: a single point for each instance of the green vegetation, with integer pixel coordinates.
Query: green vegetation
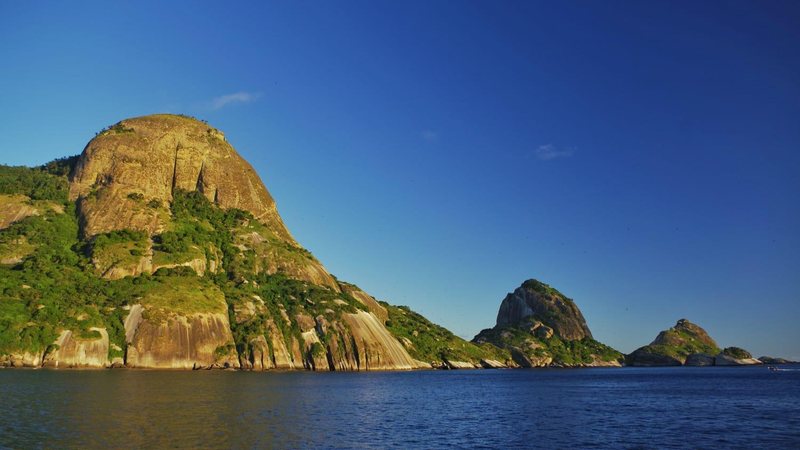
(564, 352)
(431, 342)
(198, 226)
(55, 288)
(122, 248)
(737, 353)
(542, 288)
(60, 167)
(182, 295)
(36, 183)
(273, 296)
(12, 247)
(115, 129)
(678, 342)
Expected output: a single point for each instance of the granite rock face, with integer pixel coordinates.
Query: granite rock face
(14, 208)
(153, 156)
(537, 300)
(126, 178)
(169, 340)
(542, 327)
(74, 351)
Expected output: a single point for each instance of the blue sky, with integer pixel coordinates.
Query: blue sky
(641, 157)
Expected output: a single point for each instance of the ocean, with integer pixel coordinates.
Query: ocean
(680, 407)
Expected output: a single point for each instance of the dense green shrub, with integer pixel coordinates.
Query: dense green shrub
(36, 183)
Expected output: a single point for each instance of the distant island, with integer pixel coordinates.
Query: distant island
(160, 247)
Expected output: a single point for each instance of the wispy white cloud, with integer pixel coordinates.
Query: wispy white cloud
(230, 99)
(549, 152)
(429, 135)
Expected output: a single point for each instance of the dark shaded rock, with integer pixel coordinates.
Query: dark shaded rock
(699, 359)
(539, 301)
(650, 356)
(772, 360)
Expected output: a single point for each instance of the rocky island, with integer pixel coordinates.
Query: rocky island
(687, 344)
(541, 327)
(160, 247)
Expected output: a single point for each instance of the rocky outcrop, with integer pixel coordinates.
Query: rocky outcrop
(179, 342)
(74, 351)
(672, 347)
(149, 157)
(599, 362)
(367, 300)
(528, 360)
(773, 360)
(453, 365)
(735, 356)
(653, 357)
(21, 359)
(536, 301)
(725, 360)
(127, 176)
(375, 348)
(542, 327)
(492, 364)
(14, 208)
(699, 359)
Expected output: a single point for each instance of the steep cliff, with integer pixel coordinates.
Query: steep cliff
(159, 247)
(542, 327)
(152, 156)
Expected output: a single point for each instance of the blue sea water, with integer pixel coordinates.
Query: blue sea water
(709, 407)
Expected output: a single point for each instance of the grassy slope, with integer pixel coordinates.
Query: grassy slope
(432, 342)
(680, 344)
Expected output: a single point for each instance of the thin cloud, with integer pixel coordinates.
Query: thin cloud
(231, 99)
(549, 152)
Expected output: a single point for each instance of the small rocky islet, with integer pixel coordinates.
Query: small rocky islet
(687, 344)
(160, 247)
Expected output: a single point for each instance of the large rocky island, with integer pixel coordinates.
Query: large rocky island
(160, 247)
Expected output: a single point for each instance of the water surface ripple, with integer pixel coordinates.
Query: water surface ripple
(549, 408)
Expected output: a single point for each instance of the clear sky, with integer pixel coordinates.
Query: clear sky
(641, 157)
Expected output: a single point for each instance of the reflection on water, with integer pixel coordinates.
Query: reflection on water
(611, 408)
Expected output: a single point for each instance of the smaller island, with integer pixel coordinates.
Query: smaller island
(688, 344)
(541, 327)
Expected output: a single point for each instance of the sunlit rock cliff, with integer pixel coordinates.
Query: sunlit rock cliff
(159, 247)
